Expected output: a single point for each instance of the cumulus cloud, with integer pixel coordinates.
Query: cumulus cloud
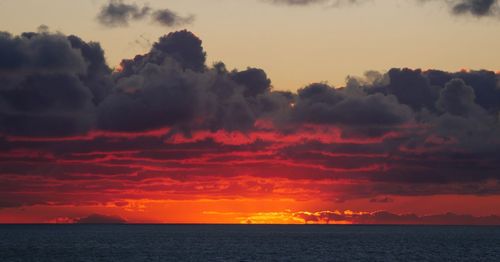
(117, 13)
(321, 104)
(457, 98)
(49, 83)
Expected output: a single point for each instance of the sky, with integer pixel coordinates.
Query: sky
(250, 111)
(296, 45)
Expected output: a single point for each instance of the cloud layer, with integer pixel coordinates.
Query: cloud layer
(167, 126)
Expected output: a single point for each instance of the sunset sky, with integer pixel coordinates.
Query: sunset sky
(250, 111)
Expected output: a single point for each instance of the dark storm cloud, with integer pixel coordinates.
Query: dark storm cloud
(154, 90)
(163, 98)
(39, 53)
(98, 76)
(254, 80)
(350, 107)
(422, 90)
(48, 82)
(172, 86)
(411, 88)
(457, 98)
(484, 83)
(184, 47)
(118, 13)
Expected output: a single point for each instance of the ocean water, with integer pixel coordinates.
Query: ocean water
(247, 243)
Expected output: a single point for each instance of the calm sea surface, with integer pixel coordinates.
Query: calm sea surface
(247, 243)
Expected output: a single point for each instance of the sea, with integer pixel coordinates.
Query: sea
(248, 243)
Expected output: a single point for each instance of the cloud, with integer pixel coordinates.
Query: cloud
(457, 98)
(173, 84)
(476, 8)
(254, 80)
(321, 104)
(166, 125)
(49, 83)
(169, 18)
(117, 13)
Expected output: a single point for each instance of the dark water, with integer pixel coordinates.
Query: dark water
(247, 243)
